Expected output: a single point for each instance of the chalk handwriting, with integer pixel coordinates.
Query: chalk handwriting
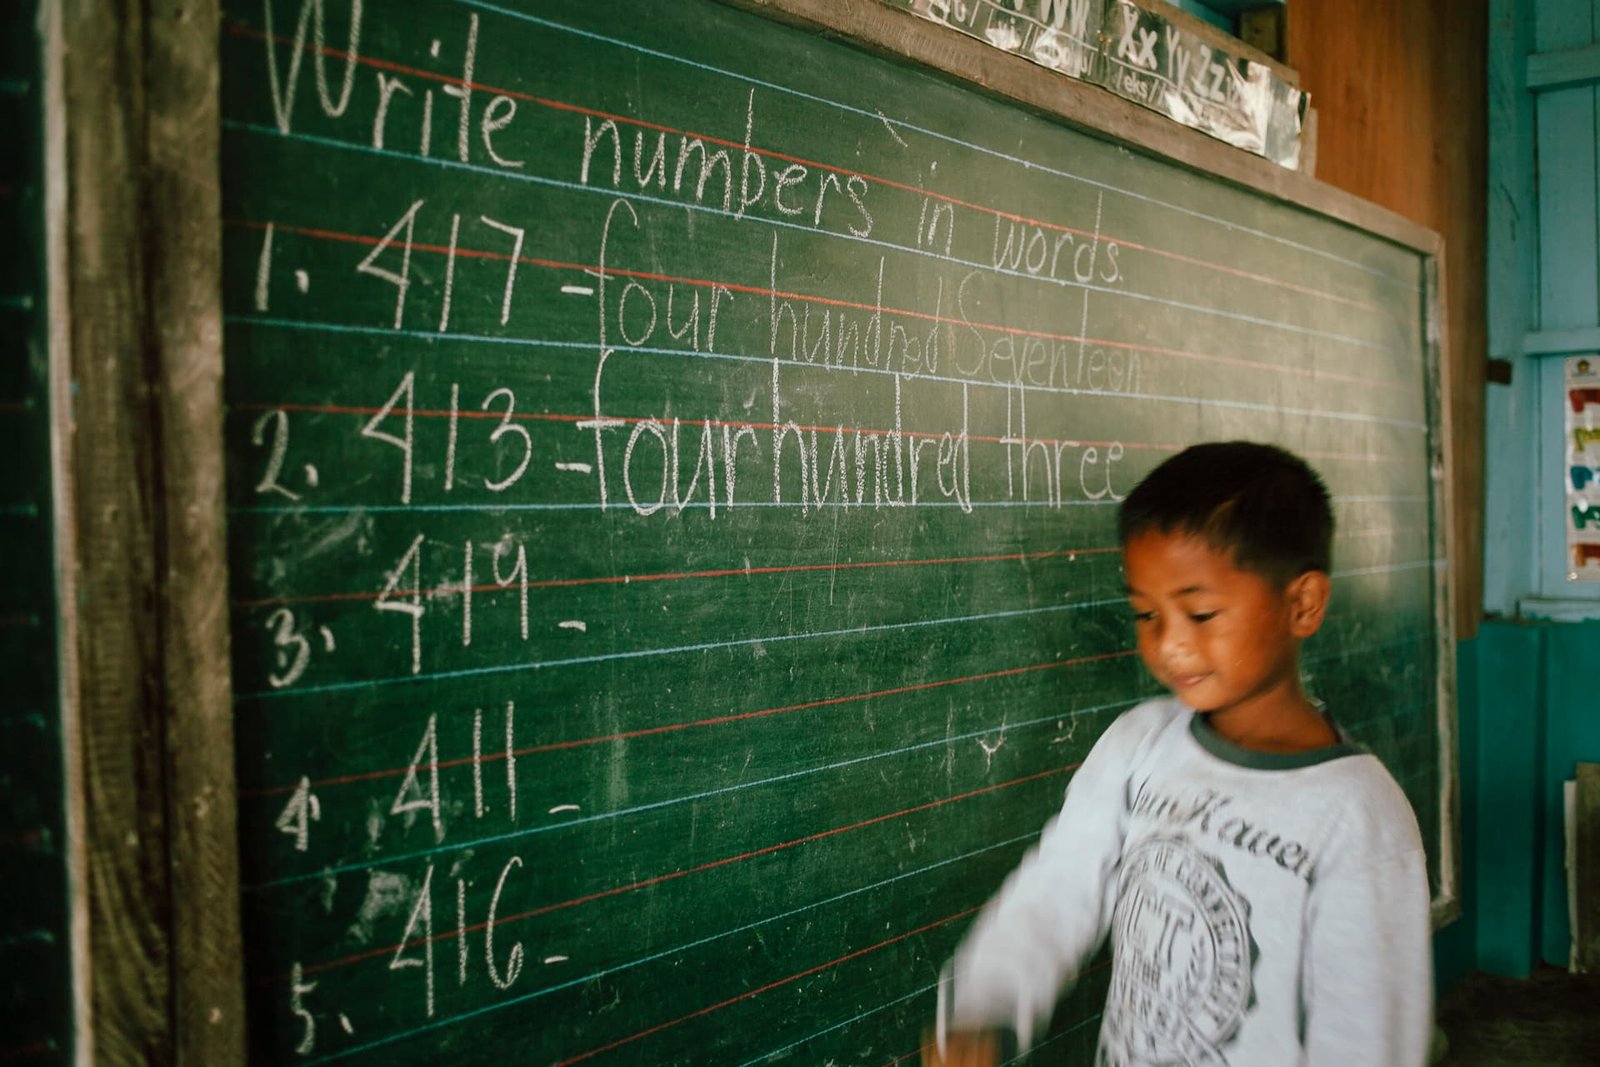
(292, 648)
(514, 959)
(298, 988)
(302, 810)
(279, 447)
(420, 923)
(413, 795)
(411, 607)
(401, 280)
(798, 190)
(284, 84)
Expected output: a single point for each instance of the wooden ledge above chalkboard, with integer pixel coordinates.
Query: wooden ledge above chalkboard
(879, 28)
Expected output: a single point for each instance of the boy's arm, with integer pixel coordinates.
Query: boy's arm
(1053, 911)
(1368, 987)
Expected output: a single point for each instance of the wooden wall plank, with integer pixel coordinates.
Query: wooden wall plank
(1571, 734)
(1569, 276)
(138, 333)
(116, 492)
(1511, 411)
(1505, 811)
(1401, 96)
(1564, 68)
(1563, 24)
(184, 216)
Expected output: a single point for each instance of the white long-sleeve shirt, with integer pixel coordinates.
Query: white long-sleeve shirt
(1264, 909)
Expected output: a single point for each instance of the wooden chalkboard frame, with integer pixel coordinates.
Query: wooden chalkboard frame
(900, 35)
(135, 224)
(134, 230)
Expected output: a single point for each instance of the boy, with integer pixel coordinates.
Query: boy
(1262, 880)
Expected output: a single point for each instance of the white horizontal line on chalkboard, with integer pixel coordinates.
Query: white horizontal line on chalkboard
(767, 361)
(711, 646)
(1025, 1056)
(1068, 1032)
(512, 835)
(1232, 227)
(1353, 725)
(1336, 654)
(926, 253)
(768, 1057)
(578, 290)
(605, 816)
(41, 936)
(1390, 568)
(1412, 498)
(496, 508)
(689, 505)
(685, 947)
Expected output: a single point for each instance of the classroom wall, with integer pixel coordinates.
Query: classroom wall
(1528, 713)
(1400, 95)
(1536, 708)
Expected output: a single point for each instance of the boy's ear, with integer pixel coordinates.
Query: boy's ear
(1308, 602)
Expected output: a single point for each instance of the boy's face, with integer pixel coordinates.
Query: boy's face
(1222, 639)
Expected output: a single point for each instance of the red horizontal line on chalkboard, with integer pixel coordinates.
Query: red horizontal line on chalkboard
(25, 839)
(241, 30)
(628, 735)
(645, 883)
(669, 576)
(827, 301)
(605, 972)
(748, 994)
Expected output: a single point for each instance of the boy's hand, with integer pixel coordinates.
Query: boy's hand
(979, 1049)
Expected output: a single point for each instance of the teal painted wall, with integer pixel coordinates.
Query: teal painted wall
(1500, 794)
(1455, 948)
(1530, 706)
(1571, 733)
(1529, 710)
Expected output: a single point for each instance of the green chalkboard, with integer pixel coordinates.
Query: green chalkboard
(35, 943)
(673, 459)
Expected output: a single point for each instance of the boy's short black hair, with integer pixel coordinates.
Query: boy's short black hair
(1263, 505)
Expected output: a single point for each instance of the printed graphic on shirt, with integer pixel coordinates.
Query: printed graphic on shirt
(1209, 813)
(1181, 980)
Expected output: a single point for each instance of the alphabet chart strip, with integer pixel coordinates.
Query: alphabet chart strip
(673, 463)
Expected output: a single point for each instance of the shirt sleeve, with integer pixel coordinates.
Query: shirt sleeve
(1052, 912)
(1367, 992)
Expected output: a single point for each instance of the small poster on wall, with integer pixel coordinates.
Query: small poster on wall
(1583, 468)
